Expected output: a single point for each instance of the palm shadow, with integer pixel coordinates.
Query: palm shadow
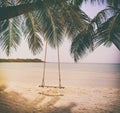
(13, 102)
(61, 109)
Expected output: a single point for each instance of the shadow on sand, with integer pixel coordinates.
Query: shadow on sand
(13, 102)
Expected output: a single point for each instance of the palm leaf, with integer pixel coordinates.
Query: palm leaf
(104, 15)
(9, 30)
(81, 44)
(108, 32)
(10, 36)
(114, 3)
(75, 20)
(31, 34)
(55, 17)
(49, 23)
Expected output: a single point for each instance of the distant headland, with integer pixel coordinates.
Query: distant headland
(21, 60)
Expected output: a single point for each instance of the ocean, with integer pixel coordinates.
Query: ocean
(72, 74)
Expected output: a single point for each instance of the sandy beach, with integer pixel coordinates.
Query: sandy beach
(28, 97)
(54, 100)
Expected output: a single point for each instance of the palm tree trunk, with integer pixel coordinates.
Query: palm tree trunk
(12, 11)
(59, 67)
(44, 68)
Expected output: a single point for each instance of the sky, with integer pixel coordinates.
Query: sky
(100, 55)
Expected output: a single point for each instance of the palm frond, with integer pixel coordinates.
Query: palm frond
(76, 20)
(104, 15)
(57, 16)
(77, 3)
(10, 35)
(5, 3)
(114, 3)
(82, 44)
(32, 35)
(109, 32)
(54, 32)
(49, 23)
(108, 25)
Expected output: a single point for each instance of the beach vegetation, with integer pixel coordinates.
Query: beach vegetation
(21, 60)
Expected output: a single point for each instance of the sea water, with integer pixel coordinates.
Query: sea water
(72, 75)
